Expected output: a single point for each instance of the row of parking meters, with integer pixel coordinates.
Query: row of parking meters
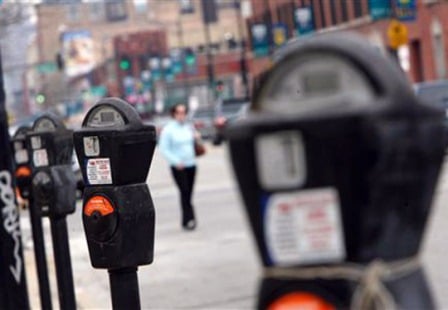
(114, 150)
(337, 164)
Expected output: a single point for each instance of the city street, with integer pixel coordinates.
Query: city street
(213, 267)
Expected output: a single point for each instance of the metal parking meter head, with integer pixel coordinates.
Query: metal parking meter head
(50, 145)
(50, 142)
(22, 161)
(115, 150)
(338, 160)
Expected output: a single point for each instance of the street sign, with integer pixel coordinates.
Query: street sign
(380, 9)
(279, 34)
(167, 66)
(303, 19)
(397, 34)
(46, 67)
(176, 59)
(209, 14)
(405, 10)
(260, 40)
(154, 65)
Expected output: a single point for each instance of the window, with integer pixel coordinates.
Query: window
(96, 11)
(116, 10)
(344, 12)
(140, 6)
(226, 4)
(73, 13)
(334, 19)
(358, 8)
(322, 14)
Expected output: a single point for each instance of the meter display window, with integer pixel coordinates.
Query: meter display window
(44, 124)
(314, 81)
(105, 117)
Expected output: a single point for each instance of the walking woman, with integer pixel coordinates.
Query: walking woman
(177, 145)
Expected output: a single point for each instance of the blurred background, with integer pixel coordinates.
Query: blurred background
(64, 55)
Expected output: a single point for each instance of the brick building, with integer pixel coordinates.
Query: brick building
(425, 57)
(92, 27)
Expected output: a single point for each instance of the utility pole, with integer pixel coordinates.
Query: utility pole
(268, 17)
(209, 16)
(243, 60)
(181, 43)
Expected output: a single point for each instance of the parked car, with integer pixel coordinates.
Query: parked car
(202, 119)
(435, 93)
(227, 112)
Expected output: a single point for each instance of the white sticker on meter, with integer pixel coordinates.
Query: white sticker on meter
(21, 156)
(91, 146)
(304, 227)
(99, 171)
(36, 143)
(280, 160)
(40, 158)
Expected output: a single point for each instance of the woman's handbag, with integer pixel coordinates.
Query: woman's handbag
(199, 148)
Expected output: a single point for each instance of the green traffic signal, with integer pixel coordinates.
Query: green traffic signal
(40, 98)
(125, 64)
(190, 60)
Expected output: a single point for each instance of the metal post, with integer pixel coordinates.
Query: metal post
(210, 64)
(39, 255)
(13, 288)
(243, 60)
(180, 38)
(124, 288)
(63, 263)
(268, 15)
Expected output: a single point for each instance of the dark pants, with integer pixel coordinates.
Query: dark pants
(185, 181)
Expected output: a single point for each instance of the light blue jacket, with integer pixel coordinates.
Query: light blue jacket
(177, 144)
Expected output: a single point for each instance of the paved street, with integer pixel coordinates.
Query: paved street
(214, 267)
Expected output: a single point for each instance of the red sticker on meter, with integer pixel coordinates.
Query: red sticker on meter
(304, 227)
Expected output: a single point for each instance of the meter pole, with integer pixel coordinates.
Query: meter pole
(39, 255)
(124, 288)
(63, 263)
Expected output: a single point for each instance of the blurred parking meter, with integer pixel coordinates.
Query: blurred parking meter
(13, 287)
(337, 165)
(23, 174)
(50, 146)
(115, 151)
(23, 171)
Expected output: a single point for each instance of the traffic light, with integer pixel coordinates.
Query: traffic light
(190, 60)
(40, 98)
(125, 64)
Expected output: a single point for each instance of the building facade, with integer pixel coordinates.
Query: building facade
(82, 35)
(424, 57)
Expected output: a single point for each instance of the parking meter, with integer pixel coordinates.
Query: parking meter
(23, 175)
(23, 171)
(337, 164)
(114, 151)
(50, 145)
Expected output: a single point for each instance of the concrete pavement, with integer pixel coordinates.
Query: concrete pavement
(215, 266)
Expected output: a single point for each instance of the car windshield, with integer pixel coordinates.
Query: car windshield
(437, 94)
(203, 113)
